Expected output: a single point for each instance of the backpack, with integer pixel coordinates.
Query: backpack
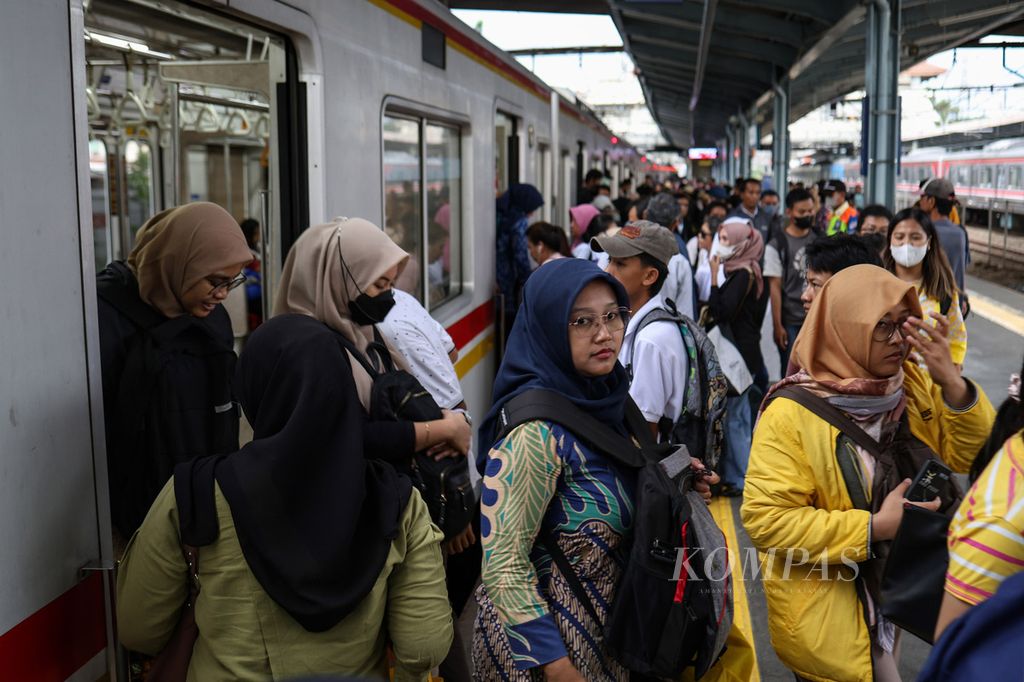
(173, 398)
(673, 604)
(700, 425)
(397, 395)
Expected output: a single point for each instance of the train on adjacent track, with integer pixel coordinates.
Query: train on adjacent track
(990, 179)
(290, 113)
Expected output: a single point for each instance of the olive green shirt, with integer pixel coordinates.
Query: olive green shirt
(245, 635)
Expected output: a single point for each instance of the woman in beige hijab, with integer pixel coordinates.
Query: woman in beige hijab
(342, 273)
(824, 611)
(166, 351)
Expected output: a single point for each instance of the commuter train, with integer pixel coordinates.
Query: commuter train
(991, 176)
(287, 112)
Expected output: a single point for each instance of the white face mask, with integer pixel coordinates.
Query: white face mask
(908, 256)
(722, 251)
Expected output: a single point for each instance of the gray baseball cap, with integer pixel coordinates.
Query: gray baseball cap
(639, 236)
(938, 187)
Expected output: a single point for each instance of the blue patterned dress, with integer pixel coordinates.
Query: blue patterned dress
(541, 480)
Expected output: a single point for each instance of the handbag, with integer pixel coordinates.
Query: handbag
(171, 664)
(915, 572)
(914, 563)
(396, 395)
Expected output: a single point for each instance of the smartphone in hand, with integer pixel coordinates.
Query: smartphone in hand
(934, 479)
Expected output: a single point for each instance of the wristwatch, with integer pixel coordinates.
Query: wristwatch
(465, 415)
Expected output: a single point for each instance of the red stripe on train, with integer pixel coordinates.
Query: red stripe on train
(59, 638)
(470, 326)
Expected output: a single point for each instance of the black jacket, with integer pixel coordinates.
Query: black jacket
(167, 394)
(736, 305)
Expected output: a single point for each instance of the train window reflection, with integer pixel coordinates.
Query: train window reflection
(138, 170)
(403, 199)
(984, 177)
(102, 237)
(444, 180)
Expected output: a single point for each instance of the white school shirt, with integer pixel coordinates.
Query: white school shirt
(678, 285)
(425, 345)
(660, 366)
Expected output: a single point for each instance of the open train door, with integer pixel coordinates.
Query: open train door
(56, 561)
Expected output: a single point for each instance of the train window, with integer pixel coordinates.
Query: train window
(138, 186)
(423, 203)
(1014, 179)
(506, 151)
(102, 235)
(403, 198)
(444, 205)
(963, 176)
(984, 179)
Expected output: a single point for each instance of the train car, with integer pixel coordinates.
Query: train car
(290, 113)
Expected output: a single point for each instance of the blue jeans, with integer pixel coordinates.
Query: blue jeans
(791, 331)
(736, 455)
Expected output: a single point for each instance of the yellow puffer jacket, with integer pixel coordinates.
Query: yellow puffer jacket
(795, 497)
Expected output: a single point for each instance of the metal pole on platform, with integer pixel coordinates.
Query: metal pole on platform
(880, 70)
(988, 258)
(780, 138)
(744, 168)
(730, 152)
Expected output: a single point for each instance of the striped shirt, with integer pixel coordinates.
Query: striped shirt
(986, 542)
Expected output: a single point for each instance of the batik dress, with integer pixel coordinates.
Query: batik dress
(541, 482)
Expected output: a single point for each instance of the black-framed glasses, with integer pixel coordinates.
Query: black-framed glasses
(885, 328)
(219, 284)
(588, 324)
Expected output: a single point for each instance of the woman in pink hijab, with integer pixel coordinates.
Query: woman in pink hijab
(581, 221)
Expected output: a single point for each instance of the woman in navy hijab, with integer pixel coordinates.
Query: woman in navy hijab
(541, 481)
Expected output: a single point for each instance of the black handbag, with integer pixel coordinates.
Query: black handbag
(396, 395)
(915, 572)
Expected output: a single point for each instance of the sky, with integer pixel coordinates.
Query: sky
(601, 79)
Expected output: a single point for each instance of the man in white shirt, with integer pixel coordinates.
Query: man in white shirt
(655, 355)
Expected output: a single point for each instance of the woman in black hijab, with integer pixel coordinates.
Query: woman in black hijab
(305, 546)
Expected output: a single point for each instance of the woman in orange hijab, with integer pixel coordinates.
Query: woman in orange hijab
(852, 354)
(166, 351)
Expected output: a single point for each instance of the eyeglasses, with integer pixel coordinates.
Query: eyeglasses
(225, 284)
(587, 325)
(885, 328)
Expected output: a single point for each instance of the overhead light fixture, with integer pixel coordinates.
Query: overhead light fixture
(124, 45)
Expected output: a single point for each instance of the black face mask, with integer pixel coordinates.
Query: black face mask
(875, 241)
(366, 310)
(804, 222)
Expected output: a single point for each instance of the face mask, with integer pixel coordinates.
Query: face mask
(366, 310)
(908, 256)
(875, 241)
(722, 251)
(770, 209)
(804, 222)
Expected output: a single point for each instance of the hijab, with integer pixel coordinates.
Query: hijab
(178, 247)
(327, 268)
(748, 249)
(517, 202)
(538, 355)
(314, 517)
(835, 341)
(583, 214)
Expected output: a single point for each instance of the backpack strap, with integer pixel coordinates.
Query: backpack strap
(945, 304)
(570, 575)
(547, 405)
(656, 315)
(847, 459)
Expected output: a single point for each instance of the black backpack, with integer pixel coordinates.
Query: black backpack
(397, 395)
(173, 398)
(668, 613)
(700, 426)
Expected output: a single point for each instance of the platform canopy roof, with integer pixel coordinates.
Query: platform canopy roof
(702, 61)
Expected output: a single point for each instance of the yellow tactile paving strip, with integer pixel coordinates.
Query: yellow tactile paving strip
(996, 312)
(721, 510)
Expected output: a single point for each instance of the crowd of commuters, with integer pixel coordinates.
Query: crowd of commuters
(317, 546)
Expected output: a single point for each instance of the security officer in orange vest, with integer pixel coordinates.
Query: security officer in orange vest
(843, 218)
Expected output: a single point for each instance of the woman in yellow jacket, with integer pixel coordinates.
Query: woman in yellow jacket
(852, 351)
